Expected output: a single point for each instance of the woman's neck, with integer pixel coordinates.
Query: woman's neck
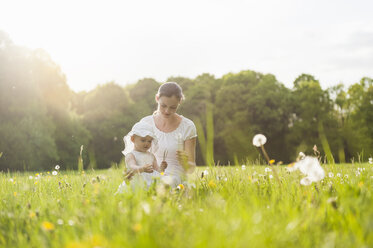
(167, 124)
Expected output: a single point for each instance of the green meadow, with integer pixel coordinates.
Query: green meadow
(231, 206)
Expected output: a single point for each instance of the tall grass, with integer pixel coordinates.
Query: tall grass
(229, 207)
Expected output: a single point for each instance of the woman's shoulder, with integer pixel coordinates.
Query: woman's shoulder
(187, 121)
(148, 119)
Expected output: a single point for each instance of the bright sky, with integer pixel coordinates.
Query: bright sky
(99, 41)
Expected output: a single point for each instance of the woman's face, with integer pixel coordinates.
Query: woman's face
(167, 106)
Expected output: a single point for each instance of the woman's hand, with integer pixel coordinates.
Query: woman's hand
(183, 159)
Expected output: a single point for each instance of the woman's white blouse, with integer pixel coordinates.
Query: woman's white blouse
(171, 142)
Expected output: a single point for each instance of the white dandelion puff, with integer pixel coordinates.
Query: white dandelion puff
(243, 167)
(259, 140)
(60, 222)
(330, 174)
(57, 167)
(309, 166)
(339, 175)
(54, 173)
(71, 223)
(267, 169)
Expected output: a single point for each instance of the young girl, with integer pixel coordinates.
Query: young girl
(139, 160)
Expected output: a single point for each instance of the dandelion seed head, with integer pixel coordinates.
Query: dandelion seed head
(71, 222)
(54, 173)
(267, 169)
(330, 174)
(60, 222)
(57, 167)
(259, 140)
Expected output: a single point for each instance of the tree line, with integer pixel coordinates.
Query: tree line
(44, 123)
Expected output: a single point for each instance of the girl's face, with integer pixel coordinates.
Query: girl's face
(142, 144)
(167, 106)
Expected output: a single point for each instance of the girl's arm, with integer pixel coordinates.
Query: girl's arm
(132, 165)
(187, 158)
(155, 164)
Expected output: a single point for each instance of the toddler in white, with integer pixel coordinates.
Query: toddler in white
(139, 160)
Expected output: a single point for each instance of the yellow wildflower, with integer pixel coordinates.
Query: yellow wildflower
(360, 184)
(32, 214)
(212, 184)
(15, 194)
(291, 165)
(180, 186)
(48, 226)
(137, 227)
(162, 173)
(272, 161)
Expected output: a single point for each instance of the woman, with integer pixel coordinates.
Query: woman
(176, 134)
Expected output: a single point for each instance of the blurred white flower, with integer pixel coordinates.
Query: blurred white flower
(270, 176)
(205, 173)
(309, 166)
(259, 140)
(60, 222)
(57, 167)
(267, 169)
(54, 173)
(243, 167)
(305, 181)
(30, 177)
(346, 176)
(146, 207)
(71, 223)
(167, 180)
(370, 160)
(11, 180)
(339, 175)
(301, 155)
(330, 174)
(225, 179)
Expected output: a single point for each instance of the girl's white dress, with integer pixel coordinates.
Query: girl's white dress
(143, 179)
(171, 142)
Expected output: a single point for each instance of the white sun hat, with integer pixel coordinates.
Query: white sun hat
(141, 129)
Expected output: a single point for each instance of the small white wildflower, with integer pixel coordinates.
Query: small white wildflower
(346, 176)
(201, 209)
(339, 175)
(60, 222)
(225, 179)
(57, 167)
(259, 140)
(71, 223)
(270, 176)
(243, 167)
(370, 160)
(54, 173)
(205, 172)
(331, 174)
(267, 169)
(11, 180)
(30, 177)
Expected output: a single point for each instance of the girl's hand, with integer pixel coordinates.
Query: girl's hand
(148, 168)
(163, 165)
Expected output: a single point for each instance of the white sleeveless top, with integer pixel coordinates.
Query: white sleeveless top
(171, 142)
